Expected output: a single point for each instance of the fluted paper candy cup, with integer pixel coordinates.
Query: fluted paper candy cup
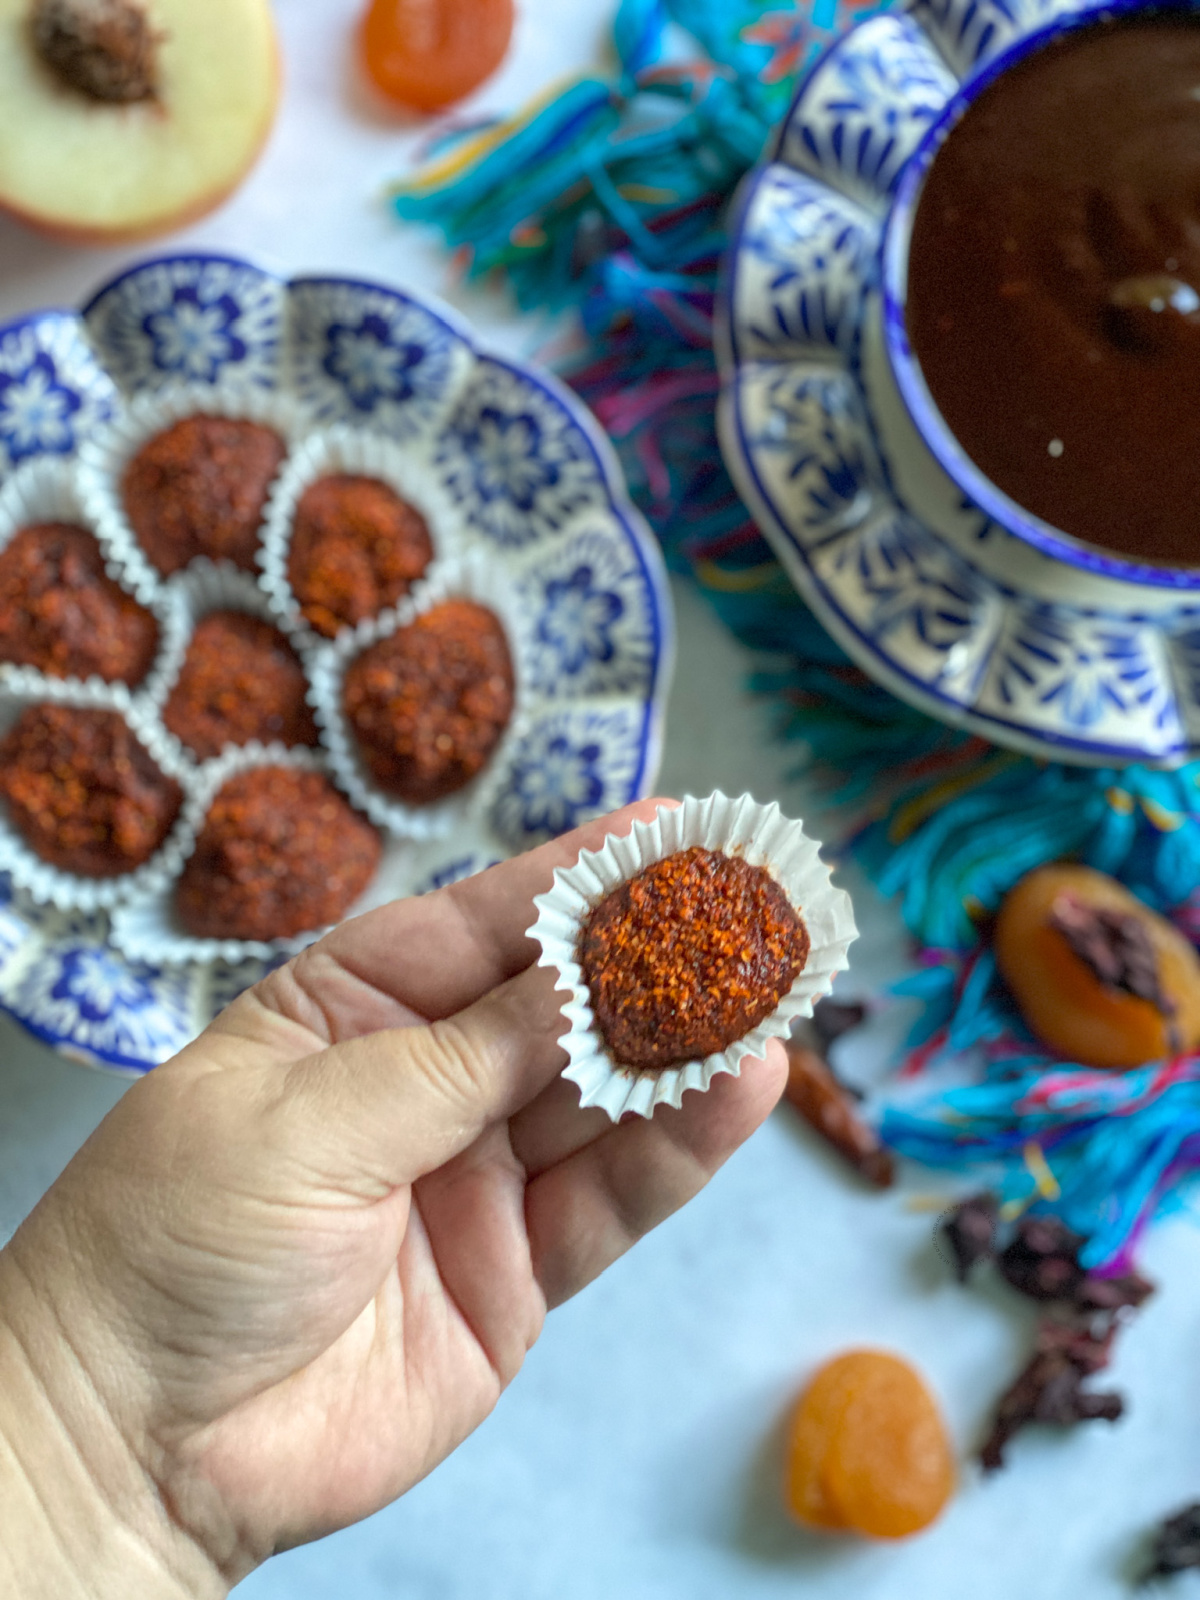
(202, 587)
(105, 457)
(476, 578)
(45, 490)
(70, 891)
(145, 927)
(760, 835)
(339, 450)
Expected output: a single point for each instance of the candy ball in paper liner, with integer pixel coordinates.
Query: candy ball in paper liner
(341, 452)
(199, 488)
(149, 928)
(84, 792)
(476, 579)
(73, 891)
(763, 837)
(233, 674)
(106, 457)
(71, 613)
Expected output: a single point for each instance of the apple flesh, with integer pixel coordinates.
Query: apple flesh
(93, 170)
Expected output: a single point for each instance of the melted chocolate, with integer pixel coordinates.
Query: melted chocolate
(1054, 284)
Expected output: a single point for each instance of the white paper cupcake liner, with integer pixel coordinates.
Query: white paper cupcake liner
(202, 587)
(51, 489)
(69, 891)
(104, 457)
(762, 836)
(47, 490)
(474, 578)
(145, 928)
(42, 490)
(406, 468)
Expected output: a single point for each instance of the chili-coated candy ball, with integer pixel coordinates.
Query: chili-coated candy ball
(867, 1449)
(83, 792)
(356, 548)
(61, 613)
(688, 956)
(429, 703)
(429, 53)
(199, 488)
(1099, 977)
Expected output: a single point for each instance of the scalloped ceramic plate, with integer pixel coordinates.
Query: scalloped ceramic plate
(532, 480)
(1034, 641)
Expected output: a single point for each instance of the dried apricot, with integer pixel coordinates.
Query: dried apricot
(867, 1449)
(429, 53)
(1099, 977)
(816, 1419)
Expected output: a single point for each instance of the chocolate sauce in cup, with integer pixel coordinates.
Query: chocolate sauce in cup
(1053, 284)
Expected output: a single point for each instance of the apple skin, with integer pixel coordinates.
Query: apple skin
(190, 209)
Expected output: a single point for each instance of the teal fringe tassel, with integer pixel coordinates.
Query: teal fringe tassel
(611, 198)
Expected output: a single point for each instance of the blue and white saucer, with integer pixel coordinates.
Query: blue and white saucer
(978, 616)
(533, 484)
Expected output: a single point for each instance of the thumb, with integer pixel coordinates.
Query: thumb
(374, 1113)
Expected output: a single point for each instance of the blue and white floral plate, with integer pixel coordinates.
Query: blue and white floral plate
(978, 616)
(533, 483)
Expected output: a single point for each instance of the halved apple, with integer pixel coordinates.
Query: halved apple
(121, 119)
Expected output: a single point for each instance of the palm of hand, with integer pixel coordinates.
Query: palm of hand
(376, 1333)
(319, 1243)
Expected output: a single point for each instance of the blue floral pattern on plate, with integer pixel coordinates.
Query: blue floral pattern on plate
(946, 607)
(515, 461)
(572, 765)
(194, 320)
(594, 623)
(534, 483)
(365, 354)
(52, 391)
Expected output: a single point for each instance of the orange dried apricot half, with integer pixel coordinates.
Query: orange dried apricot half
(1099, 977)
(867, 1449)
(429, 53)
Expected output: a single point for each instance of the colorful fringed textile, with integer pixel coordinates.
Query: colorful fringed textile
(609, 196)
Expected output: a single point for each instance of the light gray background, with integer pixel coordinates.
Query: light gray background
(638, 1454)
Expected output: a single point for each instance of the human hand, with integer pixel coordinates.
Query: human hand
(299, 1263)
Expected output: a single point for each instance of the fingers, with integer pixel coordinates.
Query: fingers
(554, 1126)
(586, 1211)
(373, 1113)
(430, 956)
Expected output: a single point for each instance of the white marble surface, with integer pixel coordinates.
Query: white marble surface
(638, 1453)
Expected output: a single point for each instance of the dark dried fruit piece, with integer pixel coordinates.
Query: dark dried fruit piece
(1099, 977)
(1043, 1259)
(1076, 1333)
(970, 1231)
(1050, 1389)
(1176, 1544)
(826, 1106)
(105, 49)
(833, 1018)
(1115, 946)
